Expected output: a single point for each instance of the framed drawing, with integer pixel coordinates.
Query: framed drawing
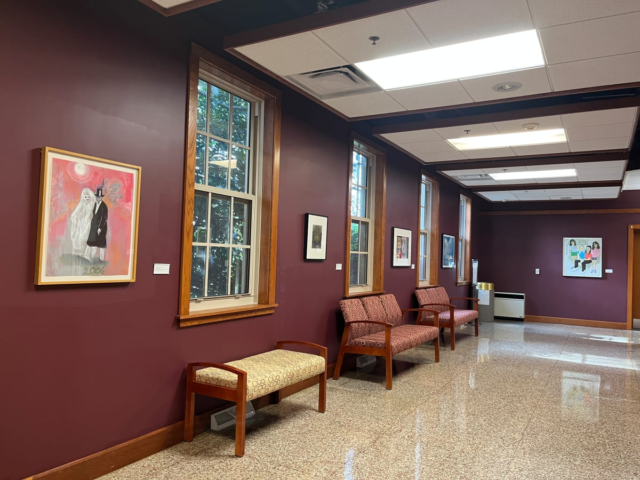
(401, 247)
(315, 234)
(448, 251)
(88, 219)
(582, 257)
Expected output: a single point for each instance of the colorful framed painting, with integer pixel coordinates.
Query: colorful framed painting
(401, 247)
(582, 257)
(315, 234)
(88, 219)
(448, 251)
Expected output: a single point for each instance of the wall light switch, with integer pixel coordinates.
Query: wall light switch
(413, 266)
(338, 266)
(537, 271)
(161, 268)
(608, 270)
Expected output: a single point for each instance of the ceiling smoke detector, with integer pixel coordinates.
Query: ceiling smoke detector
(506, 87)
(530, 126)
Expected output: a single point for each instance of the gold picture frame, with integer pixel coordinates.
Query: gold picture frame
(88, 217)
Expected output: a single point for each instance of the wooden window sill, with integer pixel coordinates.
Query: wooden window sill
(427, 285)
(462, 284)
(224, 314)
(364, 294)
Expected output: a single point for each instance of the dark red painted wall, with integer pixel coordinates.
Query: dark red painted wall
(87, 368)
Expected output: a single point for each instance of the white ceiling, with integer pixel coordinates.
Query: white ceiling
(587, 43)
(591, 193)
(587, 131)
(170, 3)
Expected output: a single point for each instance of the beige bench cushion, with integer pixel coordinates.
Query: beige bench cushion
(267, 372)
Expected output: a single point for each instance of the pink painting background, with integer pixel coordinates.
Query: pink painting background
(66, 188)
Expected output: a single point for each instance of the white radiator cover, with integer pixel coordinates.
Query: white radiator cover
(509, 305)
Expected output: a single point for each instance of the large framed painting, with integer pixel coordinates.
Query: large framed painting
(448, 251)
(401, 247)
(88, 225)
(315, 234)
(582, 257)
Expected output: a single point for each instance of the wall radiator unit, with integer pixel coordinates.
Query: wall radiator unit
(509, 306)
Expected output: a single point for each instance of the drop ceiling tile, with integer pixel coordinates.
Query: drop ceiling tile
(432, 157)
(533, 80)
(537, 198)
(431, 96)
(503, 170)
(541, 149)
(528, 193)
(610, 192)
(299, 53)
(614, 164)
(542, 168)
(367, 104)
(553, 12)
(474, 130)
(428, 147)
(588, 176)
(600, 144)
(595, 72)
(563, 191)
(457, 21)
(478, 183)
(412, 137)
(600, 117)
(517, 182)
(595, 132)
(560, 180)
(170, 3)
(398, 34)
(489, 153)
(516, 126)
(499, 196)
(595, 38)
(565, 197)
(457, 173)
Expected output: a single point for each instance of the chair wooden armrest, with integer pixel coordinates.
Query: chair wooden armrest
(192, 366)
(436, 313)
(370, 321)
(323, 350)
(438, 304)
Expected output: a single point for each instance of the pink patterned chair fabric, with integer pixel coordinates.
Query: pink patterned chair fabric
(426, 296)
(353, 310)
(390, 304)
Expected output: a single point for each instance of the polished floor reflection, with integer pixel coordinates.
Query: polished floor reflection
(519, 401)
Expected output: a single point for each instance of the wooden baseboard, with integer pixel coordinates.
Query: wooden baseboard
(575, 321)
(119, 456)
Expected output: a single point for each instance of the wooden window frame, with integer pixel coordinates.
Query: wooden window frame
(203, 60)
(434, 229)
(380, 203)
(467, 245)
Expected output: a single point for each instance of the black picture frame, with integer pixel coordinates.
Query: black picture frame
(315, 225)
(406, 248)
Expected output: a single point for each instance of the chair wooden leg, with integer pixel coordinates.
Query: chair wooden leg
(322, 401)
(453, 337)
(476, 327)
(336, 371)
(241, 415)
(437, 349)
(388, 360)
(189, 414)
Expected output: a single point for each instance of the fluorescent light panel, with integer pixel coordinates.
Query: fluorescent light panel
(518, 139)
(534, 175)
(505, 53)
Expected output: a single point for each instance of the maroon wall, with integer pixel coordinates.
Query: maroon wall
(89, 367)
(511, 247)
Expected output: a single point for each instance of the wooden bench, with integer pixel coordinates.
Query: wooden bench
(243, 380)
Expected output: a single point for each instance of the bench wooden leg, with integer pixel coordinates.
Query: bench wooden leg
(438, 348)
(241, 414)
(322, 400)
(189, 413)
(453, 337)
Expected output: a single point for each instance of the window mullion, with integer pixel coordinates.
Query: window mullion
(207, 248)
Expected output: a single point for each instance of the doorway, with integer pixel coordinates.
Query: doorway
(633, 278)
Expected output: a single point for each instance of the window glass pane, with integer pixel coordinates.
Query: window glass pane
(358, 202)
(423, 195)
(201, 146)
(355, 236)
(198, 258)
(364, 266)
(423, 220)
(353, 269)
(239, 169)
(239, 271)
(359, 175)
(202, 106)
(423, 243)
(241, 123)
(217, 283)
(200, 217)
(423, 269)
(220, 221)
(218, 163)
(364, 237)
(241, 222)
(219, 113)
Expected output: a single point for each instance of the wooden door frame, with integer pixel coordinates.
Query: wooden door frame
(630, 241)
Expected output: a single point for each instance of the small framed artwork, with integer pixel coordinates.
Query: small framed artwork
(448, 251)
(88, 219)
(315, 234)
(582, 257)
(401, 247)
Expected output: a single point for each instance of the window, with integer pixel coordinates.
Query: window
(365, 232)
(229, 205)
(428, 250)
(464, 241)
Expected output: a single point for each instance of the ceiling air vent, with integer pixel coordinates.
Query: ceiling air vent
(478, 176)
(334, 82)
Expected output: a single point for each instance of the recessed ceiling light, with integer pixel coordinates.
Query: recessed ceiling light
(518, 139)
(534, 175)
(504, 53)
(506, 87)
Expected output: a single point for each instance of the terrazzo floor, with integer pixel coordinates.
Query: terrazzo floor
(520, 401)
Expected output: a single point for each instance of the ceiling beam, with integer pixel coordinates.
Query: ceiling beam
(175, 10)
(607, 156)
(336, 16)
(520, 114)
(544, 186)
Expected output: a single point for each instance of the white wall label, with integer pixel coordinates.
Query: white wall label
(338, 266)
(608, 270)
(537, 271)
(413, 266)
(161, 268)
(484, 297)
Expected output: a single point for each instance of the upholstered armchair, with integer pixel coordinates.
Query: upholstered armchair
(436, 298)
(374, 326)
